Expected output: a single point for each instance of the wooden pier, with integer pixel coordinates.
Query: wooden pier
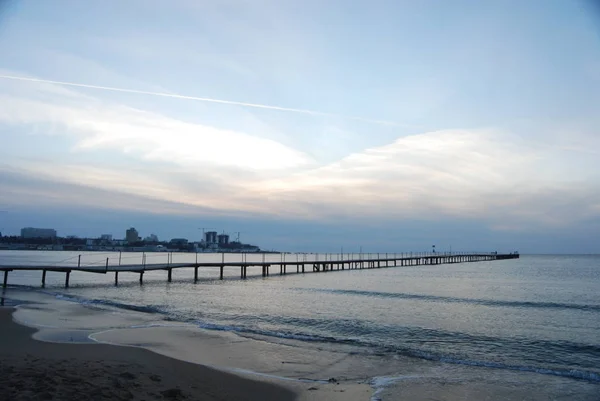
(300, 266)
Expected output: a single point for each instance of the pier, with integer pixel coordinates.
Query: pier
(266, 267)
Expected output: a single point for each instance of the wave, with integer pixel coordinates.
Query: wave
(485, 302)
(348, 332)
(157, 309)
(569, 373)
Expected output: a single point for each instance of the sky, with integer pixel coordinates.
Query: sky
(305, 125)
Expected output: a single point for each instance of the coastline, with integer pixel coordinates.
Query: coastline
(37, 360)
(32, 369)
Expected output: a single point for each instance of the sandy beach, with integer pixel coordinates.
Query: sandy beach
(35, 370)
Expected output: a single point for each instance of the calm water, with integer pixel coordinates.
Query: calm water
(539, 313)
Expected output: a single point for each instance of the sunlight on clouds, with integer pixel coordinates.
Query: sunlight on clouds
(98, 125)
(467, 173)
(488, 174)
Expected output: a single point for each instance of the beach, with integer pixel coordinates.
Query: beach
(40, 364)
(36, 370)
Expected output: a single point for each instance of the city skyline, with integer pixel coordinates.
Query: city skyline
(306, 126)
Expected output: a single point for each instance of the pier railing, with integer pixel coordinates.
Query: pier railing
(118, 262)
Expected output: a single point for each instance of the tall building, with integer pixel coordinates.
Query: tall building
(151, 238)
(106, 237)
(223, 239)
(30, 232)
(132, 235)
(210, 237)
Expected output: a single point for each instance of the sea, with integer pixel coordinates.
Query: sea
(526, 328)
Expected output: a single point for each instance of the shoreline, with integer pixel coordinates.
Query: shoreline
(29, 340)
(303, 368)
(32, 369)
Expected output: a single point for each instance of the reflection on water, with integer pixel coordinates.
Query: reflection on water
(539, 314)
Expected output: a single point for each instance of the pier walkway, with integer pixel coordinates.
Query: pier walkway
(302, 266)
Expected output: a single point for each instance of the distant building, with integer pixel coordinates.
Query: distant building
(151, 238)
(30, 232)
(178, 242)
(132, 235)
(210, 237)
(223, 239)
(106, 237)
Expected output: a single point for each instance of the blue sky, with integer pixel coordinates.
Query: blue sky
(390, 125)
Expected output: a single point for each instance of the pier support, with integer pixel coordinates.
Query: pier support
(5, 279)
(141, 278)
(67, 277)
(116, 278)
(43, 278)
(195, 274)
(221, 272)
(170, 275)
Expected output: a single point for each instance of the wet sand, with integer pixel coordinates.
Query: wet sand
(35, 370)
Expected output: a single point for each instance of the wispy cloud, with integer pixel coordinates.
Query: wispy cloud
(97, 125)
(183, 167)
(203, 99)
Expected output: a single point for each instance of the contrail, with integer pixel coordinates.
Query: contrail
(206, 99)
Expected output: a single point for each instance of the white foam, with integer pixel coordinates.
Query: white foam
(380, 383)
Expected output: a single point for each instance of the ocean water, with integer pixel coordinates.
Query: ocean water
(537, 315)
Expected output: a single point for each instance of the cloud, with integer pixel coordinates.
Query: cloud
(489, 175)
(95, 124)
(472, 174)
(199, 99)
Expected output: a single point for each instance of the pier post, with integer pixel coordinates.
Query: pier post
(302, 267)
(141, 278)
(44, 278)
(284, 269)
(245, 271)
(5, 278)
(196, 272)
(242, 271)
(79, 262)
(221, 272)
(268, 270)
(116, 278)
(68, 275)
(169, 276)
